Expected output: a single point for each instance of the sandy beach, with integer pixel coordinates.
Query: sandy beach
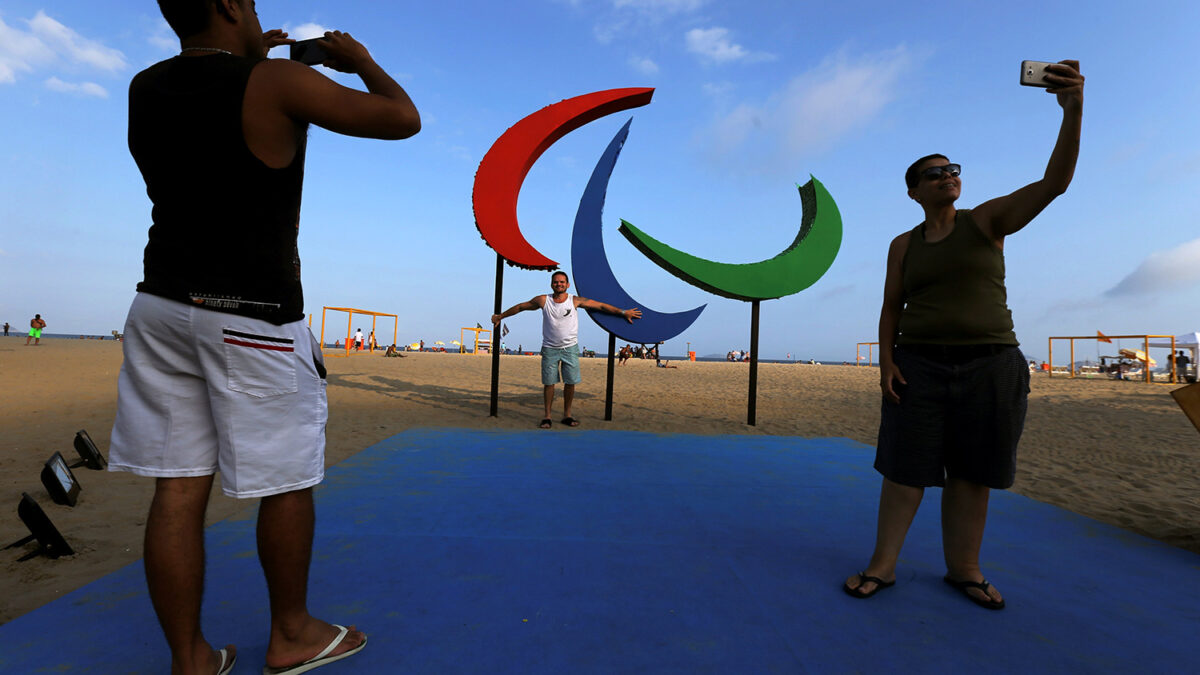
(1120, 452)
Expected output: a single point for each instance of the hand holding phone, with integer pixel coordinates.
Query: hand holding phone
(1033, 74)
(1063, 79)
(272, 39)
(309, 52)
(337, 50)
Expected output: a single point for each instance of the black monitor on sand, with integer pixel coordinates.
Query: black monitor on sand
(60, 482)
(50, 543)
(89, 456)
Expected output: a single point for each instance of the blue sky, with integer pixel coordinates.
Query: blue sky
(751, 97)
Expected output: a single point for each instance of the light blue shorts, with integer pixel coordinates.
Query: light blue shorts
(568, 357)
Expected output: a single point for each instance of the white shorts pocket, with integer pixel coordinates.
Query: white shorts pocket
(260, 365)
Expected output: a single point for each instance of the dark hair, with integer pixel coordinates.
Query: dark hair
(911, 178)
(186, 17)
(558, 272)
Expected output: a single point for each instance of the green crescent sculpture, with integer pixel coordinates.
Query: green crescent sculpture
(795, 269)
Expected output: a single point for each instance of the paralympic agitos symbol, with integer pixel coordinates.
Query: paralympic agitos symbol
(503, 170)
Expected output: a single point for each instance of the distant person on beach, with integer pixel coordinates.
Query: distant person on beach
(6, 327)
(945, 327)
(220, 373)
(358, 340)
(1182, 361)
(560, 339)
(36, 324)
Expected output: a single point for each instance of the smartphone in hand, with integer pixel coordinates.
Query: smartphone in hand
(309, 52)
(1032, 73)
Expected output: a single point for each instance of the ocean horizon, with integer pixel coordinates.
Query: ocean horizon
(449, 350)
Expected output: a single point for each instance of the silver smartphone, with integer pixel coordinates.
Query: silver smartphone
(1033, 72)
(309, 52)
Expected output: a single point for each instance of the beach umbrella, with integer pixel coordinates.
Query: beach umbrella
(439, 342)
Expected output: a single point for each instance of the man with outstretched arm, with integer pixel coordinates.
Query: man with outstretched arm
(560, 339)
(220, 372)
(944, 327)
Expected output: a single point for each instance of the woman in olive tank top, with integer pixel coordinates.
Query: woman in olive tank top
(954, 382)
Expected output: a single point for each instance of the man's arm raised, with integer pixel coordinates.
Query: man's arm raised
(304, 95)
(1005, 215)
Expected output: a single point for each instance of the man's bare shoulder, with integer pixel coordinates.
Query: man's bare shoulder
(283, 72)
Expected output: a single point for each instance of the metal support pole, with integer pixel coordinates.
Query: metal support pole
(612, 347)
(1146, 363)
(495, 339)
(752, 404)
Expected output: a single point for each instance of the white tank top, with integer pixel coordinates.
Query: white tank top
(560, 323)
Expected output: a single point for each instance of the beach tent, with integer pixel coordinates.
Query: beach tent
(1186, 341)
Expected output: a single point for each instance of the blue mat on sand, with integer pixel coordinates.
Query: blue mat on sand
(619, 552)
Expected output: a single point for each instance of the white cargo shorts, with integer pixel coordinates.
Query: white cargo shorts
(202, 392)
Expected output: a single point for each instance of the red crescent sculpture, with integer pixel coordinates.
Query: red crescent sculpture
(503, 169)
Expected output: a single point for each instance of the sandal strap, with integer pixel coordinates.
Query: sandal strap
(864, 578)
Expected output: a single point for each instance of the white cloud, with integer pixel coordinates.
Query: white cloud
(163, 37)
(82, 88)
(811, 112)
(74, 46)
(48, 43)
(607, 32)
(661, 6)
(713, 44)
(1162, 271)
(638, 17)
(306, 31)
(717, 88)
(20, 52)
(643, 65)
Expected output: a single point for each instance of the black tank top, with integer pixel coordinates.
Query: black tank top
(954, 290)
(224, 224)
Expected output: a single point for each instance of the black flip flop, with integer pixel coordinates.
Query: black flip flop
(863, 577)
(570, 421)
(545, 423)
(965, 586)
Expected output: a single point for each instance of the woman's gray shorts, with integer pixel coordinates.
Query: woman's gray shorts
(960, 415)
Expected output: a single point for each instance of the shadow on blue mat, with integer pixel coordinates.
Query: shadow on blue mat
(620, 552)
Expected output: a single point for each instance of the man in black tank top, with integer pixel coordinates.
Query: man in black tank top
(954, 383)
(218, 133)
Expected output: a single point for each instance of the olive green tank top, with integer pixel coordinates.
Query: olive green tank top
(954, 289)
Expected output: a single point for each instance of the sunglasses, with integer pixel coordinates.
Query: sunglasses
(935, 172)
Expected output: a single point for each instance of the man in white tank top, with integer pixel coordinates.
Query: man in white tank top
(560, 339)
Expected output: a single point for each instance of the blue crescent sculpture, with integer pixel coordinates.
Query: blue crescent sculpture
(593, 275)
